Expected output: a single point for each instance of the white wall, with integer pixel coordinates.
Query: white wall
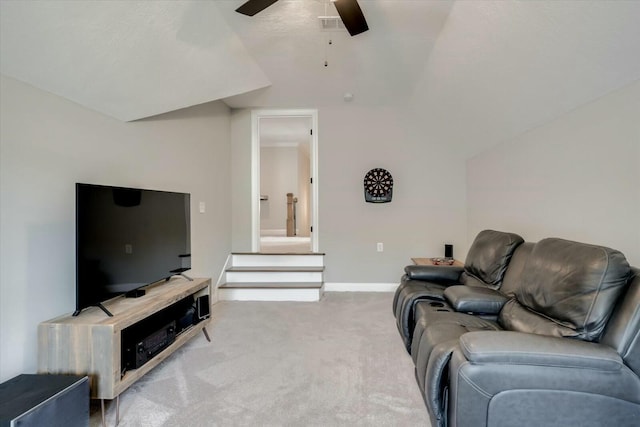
(500, 68)
(241, 224)
(278, 176)
(46, 145)
(428, 206)
(577, 177)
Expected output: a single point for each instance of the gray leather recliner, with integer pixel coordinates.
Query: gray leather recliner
(485, 266)
(564, 350)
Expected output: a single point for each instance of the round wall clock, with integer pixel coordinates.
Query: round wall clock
(378, 186)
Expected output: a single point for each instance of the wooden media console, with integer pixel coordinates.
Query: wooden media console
(91, 343)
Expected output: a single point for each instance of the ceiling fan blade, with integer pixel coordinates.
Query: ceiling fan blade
(352, 16)
(252, 7)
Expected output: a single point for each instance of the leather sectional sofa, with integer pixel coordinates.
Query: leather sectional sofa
(526, 334)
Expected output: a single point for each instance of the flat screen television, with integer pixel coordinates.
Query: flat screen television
(127, 238)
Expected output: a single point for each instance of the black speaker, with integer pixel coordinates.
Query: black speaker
(202, 307)
(31, 400)
(186, 320)
(448, 251)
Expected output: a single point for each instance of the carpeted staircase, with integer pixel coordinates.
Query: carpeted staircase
(272, 277)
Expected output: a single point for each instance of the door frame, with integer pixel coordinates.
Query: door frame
(256, 115)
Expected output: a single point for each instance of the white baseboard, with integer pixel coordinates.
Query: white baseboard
(360, 287)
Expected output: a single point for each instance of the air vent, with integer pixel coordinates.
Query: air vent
(331, 23)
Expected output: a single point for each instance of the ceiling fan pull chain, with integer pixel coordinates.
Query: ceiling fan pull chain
(326, 60)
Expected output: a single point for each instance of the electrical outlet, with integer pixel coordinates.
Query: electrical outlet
(202, 207)
(128, 248)
(380, 247)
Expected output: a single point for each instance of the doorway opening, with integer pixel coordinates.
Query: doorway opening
(284, 186)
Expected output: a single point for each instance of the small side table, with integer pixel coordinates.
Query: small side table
(33, 400)
(430, 261)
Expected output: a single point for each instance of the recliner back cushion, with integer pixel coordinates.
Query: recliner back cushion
(513, 275)
(573, 286)
(488, 258)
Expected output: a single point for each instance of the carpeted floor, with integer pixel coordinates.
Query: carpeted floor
(338, 362)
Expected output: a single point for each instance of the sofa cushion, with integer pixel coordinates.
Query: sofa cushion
(515, 317)
(513, 275)
(569, 288)
(488, 258)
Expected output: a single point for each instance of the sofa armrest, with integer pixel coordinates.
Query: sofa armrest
(472, 299)
(517, 348)
(434, 273)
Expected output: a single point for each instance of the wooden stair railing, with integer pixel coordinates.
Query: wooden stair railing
(291, 214)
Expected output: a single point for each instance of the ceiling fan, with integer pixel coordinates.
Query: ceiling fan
(349, 11)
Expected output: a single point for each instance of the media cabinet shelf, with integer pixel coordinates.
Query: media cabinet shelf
(90, 343)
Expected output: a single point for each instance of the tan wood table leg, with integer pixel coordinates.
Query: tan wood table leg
(104, 421)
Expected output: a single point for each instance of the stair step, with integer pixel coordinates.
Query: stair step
(301, 269)
(272, 285)
(277, 276)
(275, 260)
(273, 277)
(279, 253)
(227, 292)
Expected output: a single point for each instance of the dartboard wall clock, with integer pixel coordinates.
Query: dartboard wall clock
(378, 186)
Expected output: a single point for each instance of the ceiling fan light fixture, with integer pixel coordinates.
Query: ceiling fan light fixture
(352, 16)
(349, 11)
(252, 7)
(331, 23)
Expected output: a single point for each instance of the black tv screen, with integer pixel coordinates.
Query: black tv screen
(127, 238)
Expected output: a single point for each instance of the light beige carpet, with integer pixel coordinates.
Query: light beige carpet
(337, 362)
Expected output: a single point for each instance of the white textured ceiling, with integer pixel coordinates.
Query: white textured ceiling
(276, 132)
(133, 59)
(126, 59)
(501, 68)
(379, 66)
(284, 130)
(473, 71)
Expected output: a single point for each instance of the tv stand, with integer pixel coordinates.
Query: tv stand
(99, 305)
(178, 274)
(91, 344)
(103, 308)
(185, 276)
